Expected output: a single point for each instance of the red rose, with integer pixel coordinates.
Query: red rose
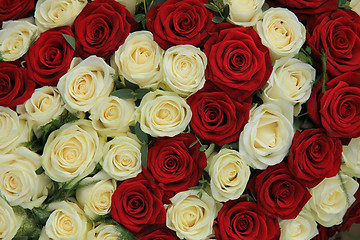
(159, 234)
(305, 8)
(216, 117)
(337, 111)
(314, 156)
(101, 27)
(15, 87)
(174, 164)
(50, 56)
(137, 205)
(278, 193)
(238, 219)
(338, 31)
(179, 22)
(15, 9)
(238, 63)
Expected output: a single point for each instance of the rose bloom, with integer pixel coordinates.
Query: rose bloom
(291, 80)
(163, 113)
(55, 13)
(13, 131)
(336, 110)
(72, 151)
(329, 202)
(94, 194)
(281, 31)
(244, 13)
(351, 158)
(15, 85)
(44, 105)
(50, 56)
(337, 31)
(229, 175)
(15, 9)
(20, 185)
(266, 138)
(238, 219)
(139, 60)
(104, 232)
(112, 116)
(191, 217)
(101, 28)
(11, 222)
(184, 69)
(15, 39)
(238, 63)
(87, 82)
(163, 233)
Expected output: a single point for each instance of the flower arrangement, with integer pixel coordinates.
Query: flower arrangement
(167, 119)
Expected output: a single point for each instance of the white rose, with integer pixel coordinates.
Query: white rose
(113, 116)
(44, 105)
(184, 69)
(190, 216)
(72, 151)
(139, 60)
(122, 159)
(67, 221)
(57, 13)
(355, 6)
(163, 113)
(229, 175)
(291, 80)
(351, 158)
(15, 38)
(10, 222)
(86, 83)
(267, 136)
(19, 183)
(303, 227)
(244, 12)
(281, 32)
(104, 232)
(13, 131)
(329, 202)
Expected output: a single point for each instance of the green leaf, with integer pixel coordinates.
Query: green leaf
(39, 171)
(200, 193)
(203, 148)
(70, 40)
(21, 238)
(226, 11)
(217, 19)
(124, 93)
(139, 17)
(212, 7)
(132, 129)
(195, 187)
(324, 62)
(144, 152)
(193, 144)
(143, 137)
(156, 2)
(141, 92)
(130, 85)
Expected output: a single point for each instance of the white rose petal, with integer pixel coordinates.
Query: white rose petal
(267, 136)
(355, 6)
(104, 232)
(163, 113)
(10, 223)
(184, 69)
(351, 158)
(190, 216)
(139, 60)
(303, 227)
(329, 202)
(229, 175)
(86, 83)
(281, 32)
(244, 12)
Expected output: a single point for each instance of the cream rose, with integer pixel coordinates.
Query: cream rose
(190, 216)
(303, 227)
(229, 175)
(291, 80)
(351, 158)
(281, 32)
(86, 83)
(355, 6)
(184, 69)
(244, 12)
(44, 105)
(13, 131)
(267, 136)
(15, 38)
(19, 183)
(66, 221)
(57, 13)
(10, 222)
(112, 116)
(104, 232)
(72, 151)
(163, 113)
(139, 60)
(122, 159)
(329, 201)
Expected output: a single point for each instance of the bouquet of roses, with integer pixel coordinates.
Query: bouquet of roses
(168, 119)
